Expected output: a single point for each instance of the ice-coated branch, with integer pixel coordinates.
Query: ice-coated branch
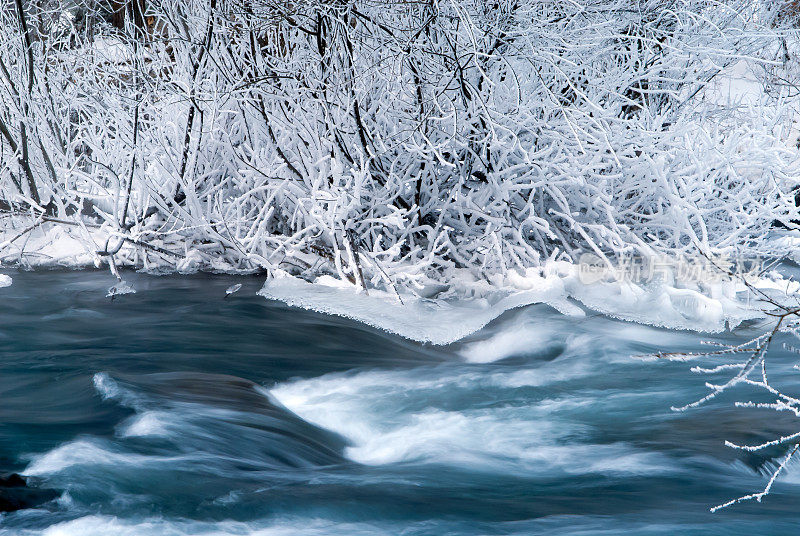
(787, 317)
(760, 495)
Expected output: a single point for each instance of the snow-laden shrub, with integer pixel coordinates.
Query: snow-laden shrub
(395, 140)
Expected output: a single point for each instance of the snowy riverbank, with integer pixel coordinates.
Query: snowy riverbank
(447, 310)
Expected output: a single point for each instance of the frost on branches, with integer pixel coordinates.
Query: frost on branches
(389, 143)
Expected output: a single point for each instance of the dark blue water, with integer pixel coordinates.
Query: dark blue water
(174, 411)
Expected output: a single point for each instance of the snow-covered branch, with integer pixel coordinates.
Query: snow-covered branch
(424, 136)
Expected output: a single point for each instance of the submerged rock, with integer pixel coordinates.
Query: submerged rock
(12, 481)
(16, 495)
(266, 432)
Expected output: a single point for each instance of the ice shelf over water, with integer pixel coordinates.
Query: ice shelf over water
(709, 307)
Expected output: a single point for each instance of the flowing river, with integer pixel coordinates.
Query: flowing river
(177, 411)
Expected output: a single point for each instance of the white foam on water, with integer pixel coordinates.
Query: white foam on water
(517, 340)
(104, 385)
(364, 386)
(146, 424)
(87, 452)
(98, 525)
(536, 331)
(495, 440)
(542, 376)
(390, 417)
(5, 280)
(109, 389)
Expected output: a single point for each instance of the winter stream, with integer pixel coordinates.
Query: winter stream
(177, 411)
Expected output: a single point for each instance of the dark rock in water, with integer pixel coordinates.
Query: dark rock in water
(16, 495)
(12, 481)
(277, 437)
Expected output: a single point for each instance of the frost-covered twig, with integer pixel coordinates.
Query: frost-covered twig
(760, 495)
(788, 320)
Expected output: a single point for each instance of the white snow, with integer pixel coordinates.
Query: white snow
(709, 161)
(424, 320)
(468, 304)
(50, 245)
(711, 306)
(112, 50)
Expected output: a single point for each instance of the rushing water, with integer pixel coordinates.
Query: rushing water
(175, 411)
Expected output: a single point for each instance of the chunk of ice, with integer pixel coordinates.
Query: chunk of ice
(123, 287)
(233, 288)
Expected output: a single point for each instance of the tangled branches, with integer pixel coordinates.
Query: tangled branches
(393, 142)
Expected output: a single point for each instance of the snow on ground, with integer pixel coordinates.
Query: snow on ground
(466, 304)
(426, 320)
(49, 245)
(712, 306)
(735, 85)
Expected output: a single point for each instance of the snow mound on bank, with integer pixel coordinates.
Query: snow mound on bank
(709, 307)
(48, 245)
(424, 320)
